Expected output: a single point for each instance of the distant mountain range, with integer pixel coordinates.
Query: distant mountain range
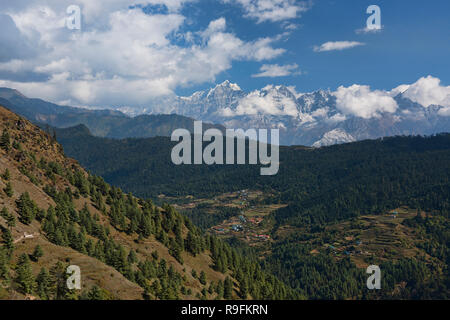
(102, 123)
(310, 119)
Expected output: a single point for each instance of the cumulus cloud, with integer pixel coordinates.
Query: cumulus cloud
(13, 44)
(337, 45)
(428, 91)
(275, 70)
(362, 102)
(265, 101)
(124, 56)
(272, 10)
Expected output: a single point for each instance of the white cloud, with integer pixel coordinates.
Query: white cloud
(265, 101)
(338, 117)
(125, 57)
(360, 101)
(214, 26)
(428, 91)
(275, 70)
(368, 30)
(291, 26)
(320, 113)
(337, 45)
(273, 10)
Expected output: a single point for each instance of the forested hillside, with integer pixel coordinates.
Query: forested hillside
(319, 185)
(54, 214)
(333, 208)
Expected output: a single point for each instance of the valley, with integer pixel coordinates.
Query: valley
(208, 228)
(127, 248)
(224, 159)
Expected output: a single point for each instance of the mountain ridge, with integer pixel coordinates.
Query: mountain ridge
(310, 119)
(125, 246)
(103, 123)
(303, 119)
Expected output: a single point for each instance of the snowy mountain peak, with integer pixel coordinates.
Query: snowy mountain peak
(227, 85)
(315, 118)
(335, 136)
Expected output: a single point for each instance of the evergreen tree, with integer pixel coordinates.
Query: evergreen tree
(6, 175)
(44, 284)
(9, 190)
(7, 240)
(132, 258)
(96, 294)
(27, 208)
(25, 278)
(5, 141)
(4, 261)
(202, 277)
(37, 253)
(243, 289)
(4, 213)
(10, 220)
(228, 288)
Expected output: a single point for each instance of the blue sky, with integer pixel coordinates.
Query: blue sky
(414, 42)
(126, 54)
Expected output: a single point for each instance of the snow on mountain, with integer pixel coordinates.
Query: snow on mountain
(335, 136)
(315, 119)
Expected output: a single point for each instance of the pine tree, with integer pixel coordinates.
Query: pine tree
(59, 276)
(6, 175)
(192, 244)
(25, 277)
(202, 277)
(211, 288)
(228, 288)
(27, 208)
(132, 258)
(7, 240)
(243, 289)
(44, 284)
(10, 220)
(37, 253)
(4, 259)
(4, 213)
(9, 190)
(5, 141)
(96, 294)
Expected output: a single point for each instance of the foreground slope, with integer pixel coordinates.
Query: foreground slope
(54, 214)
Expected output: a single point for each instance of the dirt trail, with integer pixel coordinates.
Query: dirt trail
(26, 236)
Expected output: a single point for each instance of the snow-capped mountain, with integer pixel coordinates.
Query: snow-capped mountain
(314, 119)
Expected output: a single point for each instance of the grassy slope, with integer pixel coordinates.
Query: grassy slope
(36, 142)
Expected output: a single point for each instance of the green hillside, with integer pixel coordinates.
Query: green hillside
(319, 198)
